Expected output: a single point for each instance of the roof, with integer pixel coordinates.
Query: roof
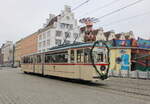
(107, 34)
(68, 46)
(95, 32)
(118, 35)
(52, 21)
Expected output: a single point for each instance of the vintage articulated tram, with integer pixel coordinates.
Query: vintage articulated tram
(84, 61)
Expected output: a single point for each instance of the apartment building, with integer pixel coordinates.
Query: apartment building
(28, 45)
(60, 29)
(8, 52)
(17, 53)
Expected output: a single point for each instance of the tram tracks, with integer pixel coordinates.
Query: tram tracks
(107, 87)
(130, 89)
(114, 89)
(117, 86)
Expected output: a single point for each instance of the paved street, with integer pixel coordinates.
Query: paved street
(19, 88)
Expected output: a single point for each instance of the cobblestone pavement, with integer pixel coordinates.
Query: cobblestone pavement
(19, 88)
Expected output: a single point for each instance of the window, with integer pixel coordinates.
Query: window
(28, 59)
(67, 34)
(57, 41)
(40, 37)
(48, 42)
(44, 36)
(62, 25)
(67, 42)
(48, 34)
(71, 26)
(58, 33)
(38, 59)
(67, 26)
(67, 17)
(75, 35)
(44, 43)
(99, 56)
(40, 44)
(80, 56)
(87, 58)
(72, 56)
(61, 57)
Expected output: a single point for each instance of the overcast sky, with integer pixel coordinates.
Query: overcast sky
(19, 18)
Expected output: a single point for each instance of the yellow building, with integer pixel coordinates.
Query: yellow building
(17, 55)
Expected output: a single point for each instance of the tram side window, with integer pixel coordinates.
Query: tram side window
(26, 60)
(48, 58)
(38, 59)
(72, 56)
(87, 58)
(57, 58)
(62, 57)
(80, 56)
(30, 60)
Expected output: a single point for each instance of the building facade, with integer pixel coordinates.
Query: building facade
(1, 57)
(8, 52)
(27, 45)
(17, 54)
(60, 29)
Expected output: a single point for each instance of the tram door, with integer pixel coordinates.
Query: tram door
(75, 68)
(83, 63)
(38, 65)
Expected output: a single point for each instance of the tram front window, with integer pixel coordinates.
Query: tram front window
(99, 56)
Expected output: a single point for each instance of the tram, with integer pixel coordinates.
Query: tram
(83, 61)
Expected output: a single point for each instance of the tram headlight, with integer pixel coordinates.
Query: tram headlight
(103, 68)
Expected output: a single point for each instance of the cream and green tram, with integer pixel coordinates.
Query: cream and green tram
(84, 61)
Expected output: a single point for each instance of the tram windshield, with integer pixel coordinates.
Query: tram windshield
(99, 55)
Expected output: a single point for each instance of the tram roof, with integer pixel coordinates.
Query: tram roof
(68, 46)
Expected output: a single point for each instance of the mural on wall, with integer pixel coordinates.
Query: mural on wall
(143, 43)
(123, 60)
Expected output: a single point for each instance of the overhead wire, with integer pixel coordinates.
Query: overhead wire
(126, 19)
(118, 10)
(85, 2)
(100, 8)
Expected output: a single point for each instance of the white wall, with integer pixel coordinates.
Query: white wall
(65, 23)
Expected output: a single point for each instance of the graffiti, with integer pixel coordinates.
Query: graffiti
(123, 43)
(123, 60)
(143, 43)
